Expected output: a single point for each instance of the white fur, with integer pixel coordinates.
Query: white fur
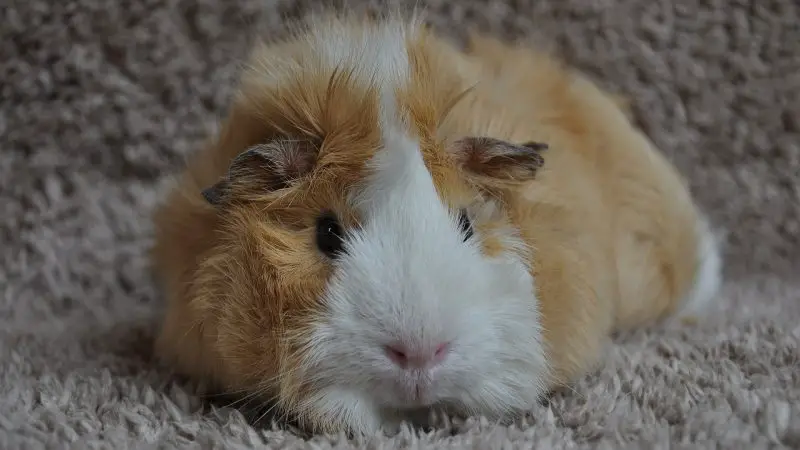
(408, 275)
(708, 277)
(376, 55)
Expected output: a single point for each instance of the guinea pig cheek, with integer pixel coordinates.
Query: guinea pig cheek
(510, 367)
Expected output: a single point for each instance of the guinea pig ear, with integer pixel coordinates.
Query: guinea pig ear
(498, 159)
(263, 168)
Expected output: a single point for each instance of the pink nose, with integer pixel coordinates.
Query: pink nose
(408, 359)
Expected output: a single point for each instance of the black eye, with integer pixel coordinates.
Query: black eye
(329, 235)
(466, 225)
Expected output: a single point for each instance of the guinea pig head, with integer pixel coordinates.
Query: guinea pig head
(367, 267)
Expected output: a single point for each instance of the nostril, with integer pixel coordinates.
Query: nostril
(396, 354)
(441, 350)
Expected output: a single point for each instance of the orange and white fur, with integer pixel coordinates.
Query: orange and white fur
(386, 223)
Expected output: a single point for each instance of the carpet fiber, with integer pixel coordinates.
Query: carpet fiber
(102, 100)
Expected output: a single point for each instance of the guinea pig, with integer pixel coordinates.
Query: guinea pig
(388, 221)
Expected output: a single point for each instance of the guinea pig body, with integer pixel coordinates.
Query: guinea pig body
(386, 222)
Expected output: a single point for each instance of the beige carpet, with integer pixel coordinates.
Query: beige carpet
(102, 99)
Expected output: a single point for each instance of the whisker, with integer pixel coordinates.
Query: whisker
(450, 106)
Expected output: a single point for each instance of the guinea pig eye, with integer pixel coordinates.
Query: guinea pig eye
(329, 235)
(466, 225)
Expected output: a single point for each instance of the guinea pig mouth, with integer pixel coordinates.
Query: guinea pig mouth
(416, 392)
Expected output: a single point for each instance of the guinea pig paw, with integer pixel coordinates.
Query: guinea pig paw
(335, 410)
(378, 422)
(393, 425)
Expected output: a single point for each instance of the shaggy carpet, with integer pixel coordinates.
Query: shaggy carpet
(102, 100)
